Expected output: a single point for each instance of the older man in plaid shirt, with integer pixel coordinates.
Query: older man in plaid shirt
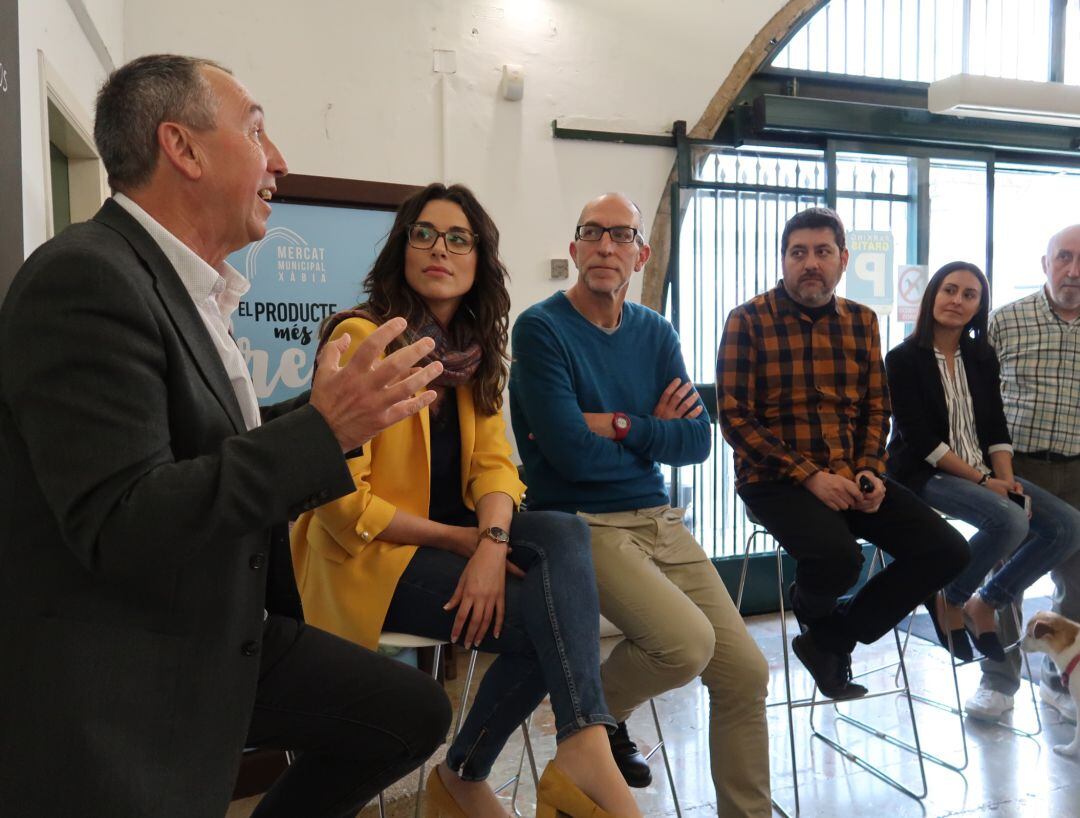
(804, 404)
(1037, 339)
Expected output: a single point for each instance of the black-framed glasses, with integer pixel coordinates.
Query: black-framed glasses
(458, 240)
(594, 232)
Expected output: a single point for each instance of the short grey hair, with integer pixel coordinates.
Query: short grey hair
(139, 96)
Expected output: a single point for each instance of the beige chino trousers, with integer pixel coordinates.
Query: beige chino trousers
(659, 588)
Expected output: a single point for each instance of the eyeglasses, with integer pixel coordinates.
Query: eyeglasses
(594, 232)
(458, 240)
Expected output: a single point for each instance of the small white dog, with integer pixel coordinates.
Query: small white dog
(1053, 634)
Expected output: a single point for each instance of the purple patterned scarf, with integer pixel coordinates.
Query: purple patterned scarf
(459, 365)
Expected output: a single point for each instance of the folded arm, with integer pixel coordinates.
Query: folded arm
(541, 378)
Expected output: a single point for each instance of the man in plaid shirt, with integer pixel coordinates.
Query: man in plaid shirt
(1037, 339)
(804, 404)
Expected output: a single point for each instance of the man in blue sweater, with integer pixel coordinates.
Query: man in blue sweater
(599, 397)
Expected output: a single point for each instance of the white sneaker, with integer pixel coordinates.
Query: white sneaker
(1059, 700)
(988, 704)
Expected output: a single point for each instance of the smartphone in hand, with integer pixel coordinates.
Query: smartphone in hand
(1022, 500)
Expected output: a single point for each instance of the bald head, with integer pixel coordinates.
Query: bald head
(1065, 234)
(1062, 267)
(614, 198)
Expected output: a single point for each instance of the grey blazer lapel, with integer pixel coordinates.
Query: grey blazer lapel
(178, 304)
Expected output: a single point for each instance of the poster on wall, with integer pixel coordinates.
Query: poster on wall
(11, 218)
(910, 285)
(870, 269)
(310, 264)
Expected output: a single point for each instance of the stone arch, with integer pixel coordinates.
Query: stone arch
(793, 14)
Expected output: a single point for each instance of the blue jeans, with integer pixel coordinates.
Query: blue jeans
(550, 640)
(1035, 546)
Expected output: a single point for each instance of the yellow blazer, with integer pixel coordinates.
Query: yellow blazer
(345, 573)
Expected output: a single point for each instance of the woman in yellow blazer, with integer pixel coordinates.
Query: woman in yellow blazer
(425, 543)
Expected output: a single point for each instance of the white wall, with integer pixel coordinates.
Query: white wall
(350, 91)
(51, 27)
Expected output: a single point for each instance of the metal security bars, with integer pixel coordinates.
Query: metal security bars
(926, 40)
(735, 208)
(728, 250)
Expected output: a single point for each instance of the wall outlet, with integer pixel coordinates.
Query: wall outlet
(560, 268)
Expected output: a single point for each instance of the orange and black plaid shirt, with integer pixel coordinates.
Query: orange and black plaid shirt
(796, 395)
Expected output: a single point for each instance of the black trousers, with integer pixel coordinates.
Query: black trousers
(926, 552)
(358, 721)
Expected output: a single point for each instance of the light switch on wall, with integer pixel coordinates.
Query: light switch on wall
(443, 61)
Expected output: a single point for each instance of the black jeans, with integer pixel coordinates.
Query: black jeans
(927, 553)
(358, 721)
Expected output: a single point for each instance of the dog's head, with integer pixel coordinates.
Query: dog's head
(1048, 632)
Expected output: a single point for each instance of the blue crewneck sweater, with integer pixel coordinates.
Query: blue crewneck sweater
(564, 365)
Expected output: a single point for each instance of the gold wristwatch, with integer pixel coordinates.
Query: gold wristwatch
(496, 534)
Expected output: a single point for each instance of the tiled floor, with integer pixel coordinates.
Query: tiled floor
(1007, 776)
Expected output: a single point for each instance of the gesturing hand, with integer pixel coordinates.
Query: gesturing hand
(370, 393)
(480, 596)
(837, 492)
(678, 402)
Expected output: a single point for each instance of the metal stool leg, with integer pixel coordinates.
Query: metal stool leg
(662, 747)
(526, 747)
(897, 679)
(959, 711)
(758, 531)
(761, 531)
(905, 691)
(465, 692)
(1018, 618)
(812, 702)
(789, 702)
(423, 767)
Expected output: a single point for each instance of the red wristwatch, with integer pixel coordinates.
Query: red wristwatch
(620, 422)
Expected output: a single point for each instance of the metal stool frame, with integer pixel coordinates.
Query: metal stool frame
(958, 709)
(792, 704)
(662, 747)
(409, 641)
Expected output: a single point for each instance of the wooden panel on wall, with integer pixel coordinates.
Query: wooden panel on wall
(11, 220)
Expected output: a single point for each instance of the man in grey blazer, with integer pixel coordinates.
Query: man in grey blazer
(149, 621)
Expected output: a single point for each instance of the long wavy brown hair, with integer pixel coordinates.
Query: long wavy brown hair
(483, 315)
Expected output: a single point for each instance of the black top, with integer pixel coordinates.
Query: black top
(814, 313)
(446, 505)
(920, 414)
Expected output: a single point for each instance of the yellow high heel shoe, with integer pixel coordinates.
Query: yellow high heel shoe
(438, 802)
(559, 797)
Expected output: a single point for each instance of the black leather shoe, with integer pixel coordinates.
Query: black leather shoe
(960, 644)
(831, 671)
(987, 643)
(631, 763)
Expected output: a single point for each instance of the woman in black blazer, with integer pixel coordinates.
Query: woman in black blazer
(951, 446)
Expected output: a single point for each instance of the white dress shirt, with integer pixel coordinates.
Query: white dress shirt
(963, 437)
(216, 294)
